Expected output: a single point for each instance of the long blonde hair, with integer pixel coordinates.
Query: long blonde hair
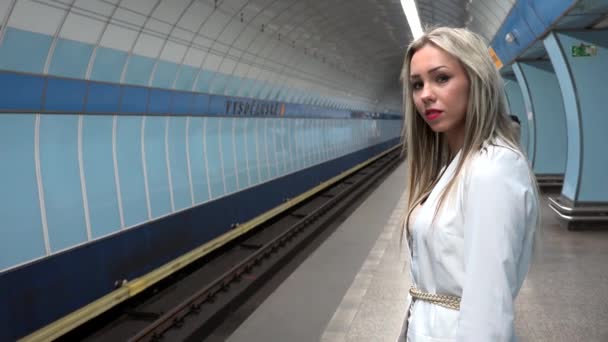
(485, 119)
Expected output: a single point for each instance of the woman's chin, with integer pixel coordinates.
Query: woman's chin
(437, 128)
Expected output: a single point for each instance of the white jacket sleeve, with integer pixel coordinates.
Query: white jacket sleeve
(494, 229)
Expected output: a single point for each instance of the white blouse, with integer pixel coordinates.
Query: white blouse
(478, 248)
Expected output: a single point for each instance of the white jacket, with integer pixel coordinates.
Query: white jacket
(479, 248)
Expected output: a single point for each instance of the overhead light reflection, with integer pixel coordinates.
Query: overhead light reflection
(411, 13)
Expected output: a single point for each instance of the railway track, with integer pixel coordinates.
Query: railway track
(191, 303)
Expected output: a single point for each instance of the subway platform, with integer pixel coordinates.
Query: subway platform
(354, 286)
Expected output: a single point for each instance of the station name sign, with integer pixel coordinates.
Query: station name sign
(254, 108)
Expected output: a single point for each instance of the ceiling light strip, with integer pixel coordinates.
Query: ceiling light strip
(411, 13)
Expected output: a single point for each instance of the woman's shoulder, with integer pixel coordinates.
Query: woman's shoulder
(498, 159)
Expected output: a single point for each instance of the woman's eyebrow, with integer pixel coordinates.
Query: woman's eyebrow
(429, 72)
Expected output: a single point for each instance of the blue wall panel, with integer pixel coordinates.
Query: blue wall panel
(291, 136)
(263, 149)
(21, 92)
(232, 87)
(182, 103)
(326, 139)
(273, 92)
(185, 77)
(108, 65)
(159, 101)
(103, 98)
(139, 70)
(98, 165)
(217, 106)
(70, 58)
(61, 180)
(212, 149)
(260, 91)
(550, 121)
(218, 84)
(301, 138)
(283, 146)
(201, 104)
(228, 153)
(130, 169)
(134, 100)
(64, 95)
(204, 80)
(241, 153)
(252, 155)
(24, 93)
(582, 83)
(165, 74)
(288, 145)
(197, 160)
(21, 228)
(589, 78)
(179, 163)
(280, 94)
(266, 88)
(156, 166)
(273, 149)
(24, 51)
(245, 87)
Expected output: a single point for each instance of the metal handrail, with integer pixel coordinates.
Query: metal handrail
(581, 210)
(579, 218)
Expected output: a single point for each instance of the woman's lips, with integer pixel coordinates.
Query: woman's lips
(432, 114)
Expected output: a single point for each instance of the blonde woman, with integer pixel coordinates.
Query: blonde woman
(472, 199)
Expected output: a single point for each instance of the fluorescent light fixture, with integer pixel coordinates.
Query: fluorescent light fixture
(411, 14)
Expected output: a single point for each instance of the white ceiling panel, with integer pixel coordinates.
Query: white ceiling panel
(148, 45)
(194, 57)
(100, 7)
(173, 52)
(129, 18)
(36, 17)
(118, 37)
(158, 27)
(170, 10)
(143, 7)
(182, 34)
(195, 16)
(215, 24)
(212, 61)
(5, 6)
(80, 28)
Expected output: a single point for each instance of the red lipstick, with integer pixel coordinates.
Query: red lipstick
(432, 114)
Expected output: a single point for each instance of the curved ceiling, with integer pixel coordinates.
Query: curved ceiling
(361, 40)
(341, 53)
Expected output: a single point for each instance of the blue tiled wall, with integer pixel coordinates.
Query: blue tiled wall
(121, 139)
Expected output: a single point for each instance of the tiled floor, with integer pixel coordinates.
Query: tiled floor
(565, 297)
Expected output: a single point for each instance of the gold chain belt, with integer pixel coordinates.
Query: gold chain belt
(447, 301)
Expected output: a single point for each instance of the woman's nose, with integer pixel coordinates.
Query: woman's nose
(427, 94)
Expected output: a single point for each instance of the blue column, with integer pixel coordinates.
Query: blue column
(545, 115)
(583, 85)
(517, 107)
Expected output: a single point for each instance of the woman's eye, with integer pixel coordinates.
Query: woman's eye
(442, 78)
(416, 85)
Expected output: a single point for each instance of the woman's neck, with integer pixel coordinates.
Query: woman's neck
(455, 139)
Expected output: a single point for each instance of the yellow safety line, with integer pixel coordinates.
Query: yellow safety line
(135, 286)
